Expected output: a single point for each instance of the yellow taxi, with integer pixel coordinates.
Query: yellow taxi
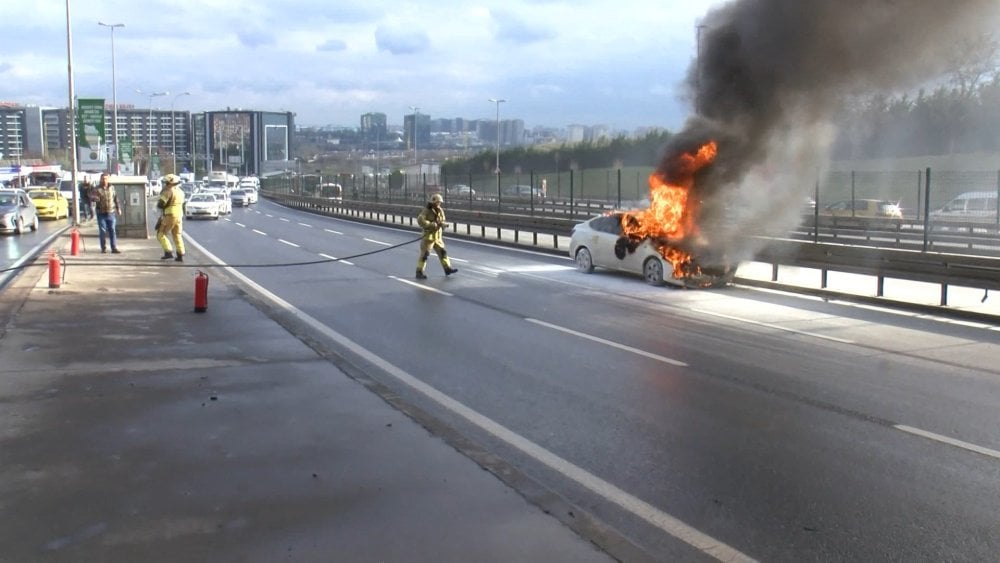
(51, 203)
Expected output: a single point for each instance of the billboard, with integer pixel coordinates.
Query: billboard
(90, 134)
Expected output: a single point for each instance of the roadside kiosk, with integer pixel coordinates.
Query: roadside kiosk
(131, 190)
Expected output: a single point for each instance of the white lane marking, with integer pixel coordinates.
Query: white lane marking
(241, 225)
(772, 325)
(377, 242)
(422, 286)
(453, 259)
(640, 508)
(260, 232)
(284, 219)
(289, 243)
(334, 232)
(650, 355)
(337, 259)
(268, 215)
(306, 225)
(950, 441)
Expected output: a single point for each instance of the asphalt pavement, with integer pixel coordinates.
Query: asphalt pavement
(136, 429)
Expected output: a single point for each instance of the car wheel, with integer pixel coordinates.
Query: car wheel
(652, 271)
(584, 261)
(34, 224)
(19, 226)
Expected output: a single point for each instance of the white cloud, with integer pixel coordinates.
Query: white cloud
(589, 61)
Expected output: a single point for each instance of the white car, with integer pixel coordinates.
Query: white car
(599, 242)
(251, 192)
(225, 204)
(202, 206)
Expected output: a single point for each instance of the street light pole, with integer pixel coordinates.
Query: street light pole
(149, 123)
(173, 129)
(74, 162)
(496, 171)
(114, 96)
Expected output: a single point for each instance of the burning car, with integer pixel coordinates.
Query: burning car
(666, 241)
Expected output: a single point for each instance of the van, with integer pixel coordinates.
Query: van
(969, 206)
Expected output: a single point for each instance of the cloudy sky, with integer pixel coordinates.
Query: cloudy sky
(615, 62)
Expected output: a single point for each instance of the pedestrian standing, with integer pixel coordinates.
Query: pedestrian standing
(432, 221)
(171, 204)
(108, 209)
(83, 200)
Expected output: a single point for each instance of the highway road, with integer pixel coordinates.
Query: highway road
(17, 249)
(733, 424)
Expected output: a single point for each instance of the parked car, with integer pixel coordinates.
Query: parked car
(969, 206)
(17, 212)
(202, 206)
(49, 203)
(599, 242)
(522, 191)
(239, 198)
(461, 190)
(864, 208)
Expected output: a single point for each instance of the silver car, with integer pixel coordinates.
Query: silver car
(17, 212)
(600, 242)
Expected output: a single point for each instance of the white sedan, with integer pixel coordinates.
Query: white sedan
(202, 205)
(599, 242)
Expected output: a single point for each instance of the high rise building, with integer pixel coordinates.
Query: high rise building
(374, 128)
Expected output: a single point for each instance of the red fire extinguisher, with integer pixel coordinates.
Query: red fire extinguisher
(74, 246)
(55, 272)
(200, 292)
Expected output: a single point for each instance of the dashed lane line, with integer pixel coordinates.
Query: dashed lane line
(599, 340)
(288, 243)
(306, 225)
(327, 256)
(260, 232)
(950, 441)
(377, 242)
(333, 232)
(422, 286)
(772, 325)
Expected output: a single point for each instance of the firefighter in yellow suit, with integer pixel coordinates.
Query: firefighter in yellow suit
(431, 220)
(171, 204)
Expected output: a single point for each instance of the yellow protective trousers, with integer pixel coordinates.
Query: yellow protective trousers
(435, 241)
(170, 225)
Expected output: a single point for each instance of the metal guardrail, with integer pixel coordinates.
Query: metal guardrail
(405, 214)
(967, 237)
(914, 264)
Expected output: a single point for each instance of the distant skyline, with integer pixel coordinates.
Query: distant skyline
(620, 64)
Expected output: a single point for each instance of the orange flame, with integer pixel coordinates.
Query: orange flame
(670, 216)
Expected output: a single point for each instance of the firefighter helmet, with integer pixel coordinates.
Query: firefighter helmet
(436, 198)
(171, 179)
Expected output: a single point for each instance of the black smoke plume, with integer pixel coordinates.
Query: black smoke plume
(771, 74)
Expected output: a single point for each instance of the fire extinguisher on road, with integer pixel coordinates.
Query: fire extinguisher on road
(55, 271)
(200, 292)
(74, 246)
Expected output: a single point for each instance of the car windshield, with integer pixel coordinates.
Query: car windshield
(7, 199)
(42, 195)
(203, 198)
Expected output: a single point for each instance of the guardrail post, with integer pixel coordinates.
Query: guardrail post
(774, 272)
(927, 204)
(619, 206)
(823, 275)
(944, 295)
(880, 289)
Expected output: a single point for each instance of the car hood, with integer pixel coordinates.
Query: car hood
(7, 208)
